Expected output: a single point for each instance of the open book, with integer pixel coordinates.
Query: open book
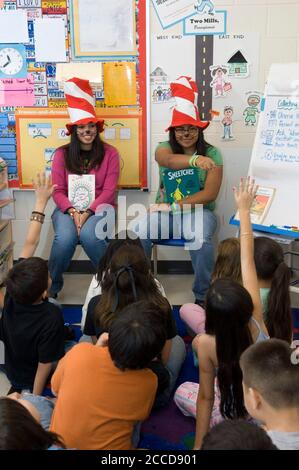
(260, 205)
(179, 184)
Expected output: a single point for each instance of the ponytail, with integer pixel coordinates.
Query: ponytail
(279, 319)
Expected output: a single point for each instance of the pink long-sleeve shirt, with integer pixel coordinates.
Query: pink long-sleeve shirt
(106, 179)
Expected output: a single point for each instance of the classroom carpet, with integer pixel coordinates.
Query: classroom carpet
(166, 428)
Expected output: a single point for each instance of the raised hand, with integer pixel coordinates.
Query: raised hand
(43, 187)
(245, 193)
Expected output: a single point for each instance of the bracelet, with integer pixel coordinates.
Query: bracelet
(40, 213)
(192, 161)
(245, 234)
(37, 217)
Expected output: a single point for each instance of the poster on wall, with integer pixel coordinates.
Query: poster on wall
(103, 28)
(41, 132)
(170, 12)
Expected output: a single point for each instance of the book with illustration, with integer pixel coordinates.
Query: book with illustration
(260, 205)
(81, 191)
(179, 184)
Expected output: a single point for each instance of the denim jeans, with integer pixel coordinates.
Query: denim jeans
(65, 242)
(43, 405)
(202, 258)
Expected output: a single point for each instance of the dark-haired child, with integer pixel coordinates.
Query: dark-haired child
(271, 390)
(110, 389)
(31, 328)
(237, 434)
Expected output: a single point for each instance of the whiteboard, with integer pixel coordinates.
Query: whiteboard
(275, 155)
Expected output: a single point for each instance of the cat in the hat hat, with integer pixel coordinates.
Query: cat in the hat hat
(187, 159)
(74, 218)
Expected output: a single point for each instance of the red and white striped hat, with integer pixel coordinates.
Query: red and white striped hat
(185, 92)
(80, 101)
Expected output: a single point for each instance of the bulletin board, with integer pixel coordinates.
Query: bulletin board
(46, 93)
(40, 133)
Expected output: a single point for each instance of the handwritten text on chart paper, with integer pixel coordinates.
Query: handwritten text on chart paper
(17, 91)
(279, 136)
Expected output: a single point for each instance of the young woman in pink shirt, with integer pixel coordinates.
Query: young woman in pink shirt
(75, 221)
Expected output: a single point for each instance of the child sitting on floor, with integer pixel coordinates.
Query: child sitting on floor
(234, 320)
(129, 279)
(237, 434)
(31, 328)
(271, 390)
(20, 428)
(104, 392)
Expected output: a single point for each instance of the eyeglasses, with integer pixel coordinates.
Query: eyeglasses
(183, 130)
(89, 127)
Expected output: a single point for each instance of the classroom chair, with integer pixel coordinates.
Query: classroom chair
(178, 242)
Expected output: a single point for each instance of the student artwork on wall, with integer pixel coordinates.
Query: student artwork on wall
(252, 110)
(227, 123)
(160, 87)
(220, 83)
(239, 53)
(204, 57)
(103, 28)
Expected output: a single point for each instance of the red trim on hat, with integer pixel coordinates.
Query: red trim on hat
(99, 122)
(181, 119)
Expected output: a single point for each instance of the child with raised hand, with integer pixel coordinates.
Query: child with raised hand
(234, 320)
(274, 280)
(271, 390)
(227, 266)
(31, 328)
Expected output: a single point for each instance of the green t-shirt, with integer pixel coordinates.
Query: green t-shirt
(212, 152)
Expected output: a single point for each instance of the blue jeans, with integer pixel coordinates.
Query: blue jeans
(43, 405)
(65, 242)
(202, 258)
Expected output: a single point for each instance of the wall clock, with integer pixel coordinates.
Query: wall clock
(13, 61)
